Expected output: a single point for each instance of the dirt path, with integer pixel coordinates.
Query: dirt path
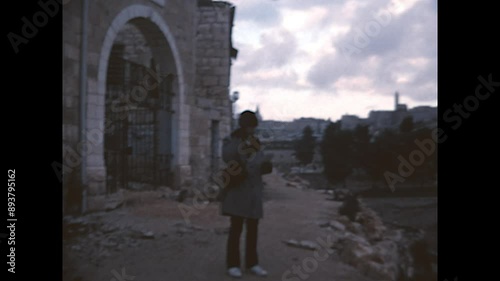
(178, 253)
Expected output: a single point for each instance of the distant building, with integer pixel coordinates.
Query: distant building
(283, 131)
(380, 120)
(377, 121)
(423, 114)
(350, 122)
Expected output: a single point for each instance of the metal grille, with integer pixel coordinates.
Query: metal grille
(138, 150)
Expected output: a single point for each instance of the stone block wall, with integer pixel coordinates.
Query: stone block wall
(199, 43)
(211, 98)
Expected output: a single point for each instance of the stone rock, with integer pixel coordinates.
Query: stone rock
(387, 252)
(292, 242)
(304, 244)
(104, 253)
(394, 235)
(165, 189)
(344, 220)
(179, 223)
(109, 228)
(184, 230)
(305, 184)
(372, 224)
(355, 249)
(378, 271)
(180, 195)
(109, 242)
(355, 228)
(341, 194)
(197, 228)
(148, 235)
(323, 223)
(114, 201)
(337, 225)
(76, 248)
(310, 245)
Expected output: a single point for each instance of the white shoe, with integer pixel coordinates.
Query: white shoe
(258, 270)
(234, 272)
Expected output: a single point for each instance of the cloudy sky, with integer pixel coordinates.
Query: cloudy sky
(326, 58)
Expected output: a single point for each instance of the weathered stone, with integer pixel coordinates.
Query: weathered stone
(109, 228)
(378, 271)
(292, 242)
(210, 81)
(308, 245)
(185, 23)
(323, 223)
(337, 225)
(304, 244)
(372, 224)
(148, 235)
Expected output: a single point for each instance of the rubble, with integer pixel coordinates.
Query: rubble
(293, 180)
(115, 200)
(336, 225)
(380, 253)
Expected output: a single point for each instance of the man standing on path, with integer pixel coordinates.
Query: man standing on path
(242, 202)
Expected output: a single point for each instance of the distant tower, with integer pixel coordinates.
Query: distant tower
(257, 113)
(396, 100)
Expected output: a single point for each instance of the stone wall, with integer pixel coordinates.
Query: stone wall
(211, 98)
(191, 39)
(174, 20)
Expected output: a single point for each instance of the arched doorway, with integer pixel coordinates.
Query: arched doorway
(140, 77)
(138, 103)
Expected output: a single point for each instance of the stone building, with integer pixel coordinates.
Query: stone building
(379, 120)
(150, 104)
(350, 122)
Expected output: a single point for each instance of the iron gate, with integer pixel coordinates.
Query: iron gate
(138, 147)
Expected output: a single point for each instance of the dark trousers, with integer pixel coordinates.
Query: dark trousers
(233, 242)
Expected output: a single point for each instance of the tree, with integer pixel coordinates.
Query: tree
(381, 155)
(406, 125)
(361, 146)
(304, 148)
(337, 153)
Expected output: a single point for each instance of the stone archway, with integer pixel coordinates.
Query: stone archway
(164, 43)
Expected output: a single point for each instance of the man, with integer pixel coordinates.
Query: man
(243, 201)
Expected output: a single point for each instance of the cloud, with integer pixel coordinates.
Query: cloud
(402, 55)
(272, 79)
(261, 12)
(295, 46)
(277, 49)
(301, 4)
